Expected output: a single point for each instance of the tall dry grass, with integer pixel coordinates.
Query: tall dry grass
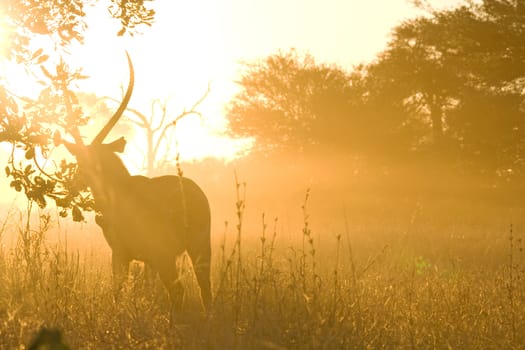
(438, 278)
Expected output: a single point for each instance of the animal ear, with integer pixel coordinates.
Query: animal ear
(117, 145)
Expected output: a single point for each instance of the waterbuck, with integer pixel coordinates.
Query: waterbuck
(154, 220)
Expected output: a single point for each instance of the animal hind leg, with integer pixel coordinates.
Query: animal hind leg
(149, 275)
(175, 292)
(201, 265)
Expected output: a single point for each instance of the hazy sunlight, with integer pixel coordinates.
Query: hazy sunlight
(3, 36)
(335, 174)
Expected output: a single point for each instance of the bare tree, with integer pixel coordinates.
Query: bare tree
(156, 129)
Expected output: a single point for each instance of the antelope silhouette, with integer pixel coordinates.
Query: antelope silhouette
(153, 220)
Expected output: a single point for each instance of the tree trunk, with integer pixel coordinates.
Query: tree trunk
(150, 155)
(436, 116)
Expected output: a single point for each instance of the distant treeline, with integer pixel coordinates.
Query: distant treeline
(448, 89)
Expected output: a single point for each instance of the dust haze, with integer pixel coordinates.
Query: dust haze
(374, 206)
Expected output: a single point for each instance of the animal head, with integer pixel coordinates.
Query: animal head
(98, 161)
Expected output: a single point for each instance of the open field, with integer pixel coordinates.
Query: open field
(382, 144)
(413, 274)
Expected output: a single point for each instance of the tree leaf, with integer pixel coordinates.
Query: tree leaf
(37, 53)
(30, 153)
(77, 214)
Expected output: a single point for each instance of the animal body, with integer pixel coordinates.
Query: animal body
(154, 220)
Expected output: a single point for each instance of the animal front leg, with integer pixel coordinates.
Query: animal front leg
(120, 267)
(146, 278)
(119, 261)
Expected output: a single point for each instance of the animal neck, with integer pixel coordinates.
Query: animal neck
(108, 178)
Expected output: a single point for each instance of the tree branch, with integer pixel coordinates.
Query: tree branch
(179, 117)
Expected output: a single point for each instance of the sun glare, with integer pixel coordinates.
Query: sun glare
(195, 142)
(173, 61)
(196, 43)
(3, 34)
(3, 40)
(191, 140)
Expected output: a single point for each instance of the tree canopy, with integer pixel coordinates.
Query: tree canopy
(287, 99)
(32, 126)
(63, 21)
(448, 86)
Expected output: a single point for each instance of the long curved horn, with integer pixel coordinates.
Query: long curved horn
(111, 123)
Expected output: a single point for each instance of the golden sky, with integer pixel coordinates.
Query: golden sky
(196, 42)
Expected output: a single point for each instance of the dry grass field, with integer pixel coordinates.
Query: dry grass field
(404, 274)
(382, 144)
